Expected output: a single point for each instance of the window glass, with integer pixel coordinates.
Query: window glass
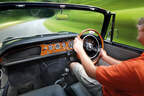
(125, 27)
(18, 23)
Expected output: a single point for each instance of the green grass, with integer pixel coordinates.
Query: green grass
(61, 17)
(111, 4)
(75, 24)
(70, 26)
(126, 25)
(12, 17)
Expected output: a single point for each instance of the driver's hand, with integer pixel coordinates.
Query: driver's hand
(103, 53)
(78, 45)
(95, 61)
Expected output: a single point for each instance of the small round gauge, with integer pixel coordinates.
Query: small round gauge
(64, 44)
(57, 46)
(70, 44)
(50, 47)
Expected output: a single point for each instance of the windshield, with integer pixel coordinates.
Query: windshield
(19, 23)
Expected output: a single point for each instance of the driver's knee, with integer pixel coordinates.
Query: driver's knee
(73, 64)
(76, 67)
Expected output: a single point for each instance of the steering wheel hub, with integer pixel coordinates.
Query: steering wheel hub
(91, 45)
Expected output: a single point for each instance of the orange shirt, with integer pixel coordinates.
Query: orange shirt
(124, 79)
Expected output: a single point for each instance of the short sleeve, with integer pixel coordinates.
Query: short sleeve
(119, 76)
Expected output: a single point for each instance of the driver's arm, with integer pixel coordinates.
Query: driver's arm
(87, 62)
(109, 59)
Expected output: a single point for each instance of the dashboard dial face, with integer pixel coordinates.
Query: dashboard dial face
(50, 47)
(57, 46)
(70, 44)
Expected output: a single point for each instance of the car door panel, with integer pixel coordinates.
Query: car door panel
(121, 52)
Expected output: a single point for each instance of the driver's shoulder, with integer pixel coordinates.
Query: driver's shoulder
(135, 63)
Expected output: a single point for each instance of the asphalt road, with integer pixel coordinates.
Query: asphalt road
(26, 29)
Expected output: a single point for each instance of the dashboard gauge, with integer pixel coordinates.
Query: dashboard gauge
(70, 44)
(45, 48)
(64, 44)
(57, 46)
(50, 47)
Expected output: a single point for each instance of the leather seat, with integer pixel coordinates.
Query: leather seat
(80, 90)
(54, 90)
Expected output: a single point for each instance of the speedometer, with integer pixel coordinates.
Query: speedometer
(57, 46)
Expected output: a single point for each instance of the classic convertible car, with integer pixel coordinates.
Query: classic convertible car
(34, 59)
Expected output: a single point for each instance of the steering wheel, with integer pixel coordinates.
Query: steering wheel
(92, 43)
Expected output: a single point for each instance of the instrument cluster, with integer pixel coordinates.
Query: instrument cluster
(55, 47)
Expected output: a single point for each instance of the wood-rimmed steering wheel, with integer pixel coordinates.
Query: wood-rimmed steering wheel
(92, 43)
